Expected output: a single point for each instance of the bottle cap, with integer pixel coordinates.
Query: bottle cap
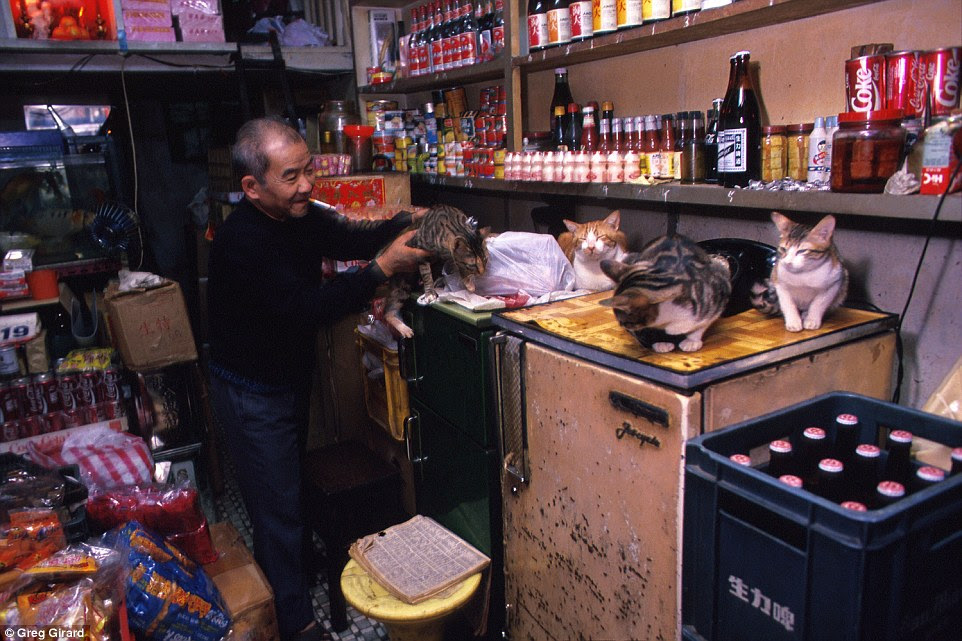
(814, 433)
(790, 480)
(739, 54)
(846, 419)
(831, 122)
(774, 130)
(780, 446)
(819, 122)
(854, 505)
(741, 459)
(560, 70)
(930, 474)
(607, 105)
(559, 110)
(892, 489)
(573, 108)
(832, 465)
(588, 109)
(801, 127)
(867, 450)
(871, 116)
(900, 436)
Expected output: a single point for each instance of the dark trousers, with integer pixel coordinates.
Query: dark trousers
(266, 433)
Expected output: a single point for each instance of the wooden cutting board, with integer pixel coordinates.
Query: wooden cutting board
(583, 320)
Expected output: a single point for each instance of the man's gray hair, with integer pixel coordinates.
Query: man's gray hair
(248, 154)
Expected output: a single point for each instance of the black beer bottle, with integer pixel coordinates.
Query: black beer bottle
(927, 476)
(711, 142)
(739, 128)
(829, 481)
(780, 459)
(812, 448)
(866, 471)
(898, 466)
(846, 437)
(956, 461)
(887, 493)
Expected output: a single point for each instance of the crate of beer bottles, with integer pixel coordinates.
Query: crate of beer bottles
(766, 560)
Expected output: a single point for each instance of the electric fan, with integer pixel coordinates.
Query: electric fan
(116, 229)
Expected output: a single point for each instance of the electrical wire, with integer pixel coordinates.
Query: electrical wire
(899, 347)
(133, 157)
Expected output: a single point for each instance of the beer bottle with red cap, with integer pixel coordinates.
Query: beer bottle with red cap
(898, 465)
(956, 461)
(829, 480)
(780, 458)
(887, 493)
(927, 476)
(866, 471)
(812, 448)
(846, 437)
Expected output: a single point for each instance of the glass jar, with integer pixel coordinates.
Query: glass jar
(797, 142)
(333, 117)
(866, 150)
(774, 153)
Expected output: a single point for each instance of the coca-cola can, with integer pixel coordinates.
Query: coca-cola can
(73, 417)
(53, 422)
(22, 388)
(9, 405)
(904, 83)
(69, 391)
(31, 426)
(111, 384)
(90, 392)
(111, 410)
(865, 83)
(941, 68)
(49, 389)
(10, 431)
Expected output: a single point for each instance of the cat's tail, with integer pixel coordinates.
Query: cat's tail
(763, 297)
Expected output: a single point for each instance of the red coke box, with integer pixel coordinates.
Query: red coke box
(865, 83)
(941, 68)
(904, 82)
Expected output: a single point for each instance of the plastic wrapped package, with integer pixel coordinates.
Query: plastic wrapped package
(523, 261)
(29, 536)
(78, 587)
(106, 458)
(168, 595)
(172, 511)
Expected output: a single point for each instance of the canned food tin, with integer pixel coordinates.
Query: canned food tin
(865, 83)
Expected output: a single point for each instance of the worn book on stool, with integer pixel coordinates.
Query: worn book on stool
(417, 559)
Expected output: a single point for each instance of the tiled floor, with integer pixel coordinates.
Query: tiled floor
(230, 507)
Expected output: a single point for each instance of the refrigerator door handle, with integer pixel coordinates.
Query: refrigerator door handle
(507, 357)
(639, 408)
(403, 360)
(411, 424)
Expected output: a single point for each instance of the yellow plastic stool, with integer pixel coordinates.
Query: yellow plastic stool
(404, 622)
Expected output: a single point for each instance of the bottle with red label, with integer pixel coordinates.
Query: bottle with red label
(413, 63)
(559, 23)
(469, 36)
(537, 24)
(484, 14)
(436, 41)
(581, 20)
(589, 135)
(497, 28)
(423, 41)
(450, 40)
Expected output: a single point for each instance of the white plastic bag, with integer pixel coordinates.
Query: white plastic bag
(522, 261)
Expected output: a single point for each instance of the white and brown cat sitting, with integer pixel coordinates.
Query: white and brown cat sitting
(808, 279)
(587, 244)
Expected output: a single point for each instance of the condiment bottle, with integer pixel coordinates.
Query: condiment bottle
(604, 136)
(667, 166)
(562, 94)
(739, 126)
(582, 25)
(817, 152)
(572, 136)
(797, 141)
(693, 153)
(774, 153)
(683, 126)
(557, 128)
(538, 25)
(617, 134)
(608, 112)
(559, 22)
(589, 137)
(652, 149)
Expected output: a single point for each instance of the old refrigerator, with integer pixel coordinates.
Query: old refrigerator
(593, 428)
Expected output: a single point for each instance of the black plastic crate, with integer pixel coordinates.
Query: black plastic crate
(766, 562)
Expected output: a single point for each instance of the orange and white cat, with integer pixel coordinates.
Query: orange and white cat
(587, 244)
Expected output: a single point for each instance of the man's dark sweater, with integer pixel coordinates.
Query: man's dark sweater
(266, 299)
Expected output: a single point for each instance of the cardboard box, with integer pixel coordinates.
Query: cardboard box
(150, 328)
(363, 190)
(241, 582)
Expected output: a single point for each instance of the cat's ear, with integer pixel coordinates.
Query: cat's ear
(822, 232)
(782, 222)
(625, 302)
(614, 219)
(571, 225)
(614, 269)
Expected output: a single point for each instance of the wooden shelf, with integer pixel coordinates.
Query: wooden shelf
(877, 205)
(702, 25)
(491, 70)
(17, 54)
(26, 303)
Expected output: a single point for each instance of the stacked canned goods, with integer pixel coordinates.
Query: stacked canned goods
(901, 79)
(49, 402)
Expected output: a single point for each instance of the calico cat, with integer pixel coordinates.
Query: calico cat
(454, 240)
(673, 289)
(586, 244)
(808, 278)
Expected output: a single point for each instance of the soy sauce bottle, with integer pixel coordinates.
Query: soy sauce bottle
(739, 128)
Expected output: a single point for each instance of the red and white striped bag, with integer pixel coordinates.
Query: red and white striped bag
(107, 458)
